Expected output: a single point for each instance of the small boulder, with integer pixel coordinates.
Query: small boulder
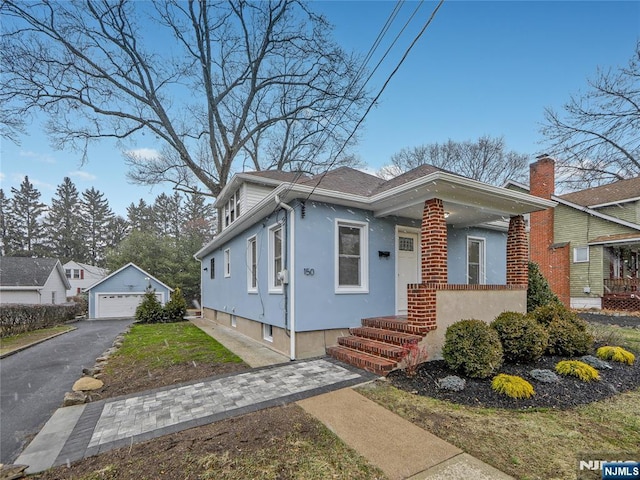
(74, 398)
(86, 384)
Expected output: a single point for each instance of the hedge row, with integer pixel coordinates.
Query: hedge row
(15, 319)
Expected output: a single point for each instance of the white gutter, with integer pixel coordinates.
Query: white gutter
(292, 283)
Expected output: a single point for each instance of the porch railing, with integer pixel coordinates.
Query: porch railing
(621, 285)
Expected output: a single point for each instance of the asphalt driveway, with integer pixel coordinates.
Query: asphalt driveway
(33, 382)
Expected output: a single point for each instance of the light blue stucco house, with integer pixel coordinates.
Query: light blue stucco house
(299, 261)
(120, 293)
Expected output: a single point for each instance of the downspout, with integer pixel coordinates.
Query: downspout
(292, 284)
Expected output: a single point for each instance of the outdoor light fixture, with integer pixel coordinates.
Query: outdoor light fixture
(446, 214)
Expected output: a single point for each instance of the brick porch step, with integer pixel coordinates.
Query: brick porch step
(395, 323)
(366, 345)
(385, 336)
(370, 363)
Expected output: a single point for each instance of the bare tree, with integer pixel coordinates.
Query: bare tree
(597, 138)
(214, 84)
(485, 159)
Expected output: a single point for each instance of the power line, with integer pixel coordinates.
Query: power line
(384, 86)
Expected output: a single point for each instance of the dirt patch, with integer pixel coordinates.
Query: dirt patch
(180, 456)
(122, 380)
(567, 393)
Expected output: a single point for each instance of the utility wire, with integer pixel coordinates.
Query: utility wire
(383, 32)
(369, 55)
(384, 86)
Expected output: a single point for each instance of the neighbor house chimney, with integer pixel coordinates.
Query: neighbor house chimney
(552, 259)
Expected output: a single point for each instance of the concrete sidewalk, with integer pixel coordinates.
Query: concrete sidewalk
(398, 447)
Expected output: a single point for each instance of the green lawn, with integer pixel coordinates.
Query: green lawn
(163, 344)
(15, 342)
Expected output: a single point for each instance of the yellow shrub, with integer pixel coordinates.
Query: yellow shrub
(512, 386)
(617, 354)
(584, 372)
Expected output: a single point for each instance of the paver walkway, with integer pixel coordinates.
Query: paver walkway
(121, 421)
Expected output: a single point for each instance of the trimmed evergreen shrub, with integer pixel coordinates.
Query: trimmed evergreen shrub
(176, 308)
(616, 354)
(523, 339)
(539, 292)
(512, 386)
(568, 334)
(472, 348)
(150, 310)
(575, 368)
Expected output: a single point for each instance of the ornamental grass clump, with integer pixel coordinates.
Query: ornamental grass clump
(616, 354)
(512, 386)
(523, 339)
(578, 369)
(472, 348)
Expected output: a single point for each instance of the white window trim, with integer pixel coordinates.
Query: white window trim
(250, 261)
(483, 259)
(575, 254)
(231, 209)
(267, 332)
(364, 256)
(227, 263)
(273, 288)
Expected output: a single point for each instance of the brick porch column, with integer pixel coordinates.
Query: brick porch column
(517, 252)
(433, 243)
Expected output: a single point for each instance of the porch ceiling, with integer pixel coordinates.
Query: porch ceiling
(467, 204)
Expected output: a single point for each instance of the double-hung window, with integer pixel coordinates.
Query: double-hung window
(227, 262)
(232, 209)
(252, 264)
(476, 261)
(275, 258)
(351, 257)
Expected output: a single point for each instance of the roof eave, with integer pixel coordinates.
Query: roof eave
(595, 213)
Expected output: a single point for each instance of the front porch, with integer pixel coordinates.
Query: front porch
(433, 304)
(621, 287)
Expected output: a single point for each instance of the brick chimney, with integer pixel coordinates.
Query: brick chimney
(552, 259)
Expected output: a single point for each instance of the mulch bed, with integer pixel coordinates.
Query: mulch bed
(567, 393)
(621, 320)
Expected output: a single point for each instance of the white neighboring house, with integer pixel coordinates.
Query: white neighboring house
(25, 280)
(82, 276)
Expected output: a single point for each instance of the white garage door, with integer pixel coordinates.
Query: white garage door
(119, 304)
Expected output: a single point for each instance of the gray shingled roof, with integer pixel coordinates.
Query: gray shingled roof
(613, 192)
(25, 271)
(418, 172)
(278, 175)
(346, 180)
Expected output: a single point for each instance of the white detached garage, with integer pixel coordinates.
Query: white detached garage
(119, 294)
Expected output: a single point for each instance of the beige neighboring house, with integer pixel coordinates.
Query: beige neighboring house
(81, 276)
(31, 281)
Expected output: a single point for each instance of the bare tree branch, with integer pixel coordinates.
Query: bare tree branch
(211, 85)
(485, 159)
(597, 138)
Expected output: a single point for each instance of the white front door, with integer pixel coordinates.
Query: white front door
(408, 266)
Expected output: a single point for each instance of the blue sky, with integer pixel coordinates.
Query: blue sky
(481, 68)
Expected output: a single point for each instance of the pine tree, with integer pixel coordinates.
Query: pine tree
(140, 216)
(167, 214)
(26, 237)
(64, 224)
(118, 230)
(5, 223)
(97, 216)
(199, 218)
